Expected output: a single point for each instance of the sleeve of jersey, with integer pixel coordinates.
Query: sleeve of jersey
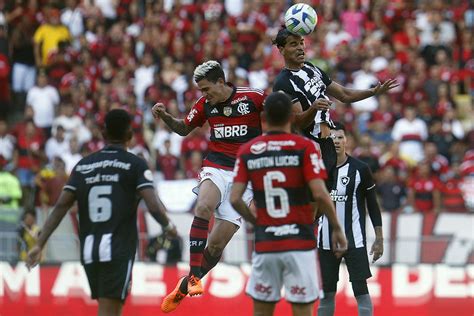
(326, 79)
(144, 176)
(259, 99)
(373, 207)
(196, 117)
(72, 183)
(313, 164)
(284, 84)
(240, 170)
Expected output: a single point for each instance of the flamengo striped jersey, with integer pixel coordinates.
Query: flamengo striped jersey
(233, 123)
(306, 86)
(354, 179)
(279, 166)
(105, 185)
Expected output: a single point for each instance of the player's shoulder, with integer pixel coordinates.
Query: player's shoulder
(357, 163)
(239, 91)
(282, 77)
(200, 101)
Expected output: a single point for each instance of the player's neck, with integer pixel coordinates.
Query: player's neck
(294, 67)
(117, 144)
(341, 158)
(226, 94)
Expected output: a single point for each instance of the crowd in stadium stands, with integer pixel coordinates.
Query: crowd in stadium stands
(64, 64)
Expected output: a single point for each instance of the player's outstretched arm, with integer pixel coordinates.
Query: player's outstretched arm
(376, 219)
(347, 95)
(158, 210)
(177, 125)
(65, 201)
(321, 195)
(238, 189)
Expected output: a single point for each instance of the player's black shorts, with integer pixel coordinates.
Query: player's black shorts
(357, 262)
(109, 279)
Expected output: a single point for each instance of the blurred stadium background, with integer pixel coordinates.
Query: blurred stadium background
(64, 64)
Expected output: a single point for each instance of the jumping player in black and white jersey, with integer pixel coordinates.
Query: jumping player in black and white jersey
(309, 88)
(353, 194)
(107, 186)
(281, 166)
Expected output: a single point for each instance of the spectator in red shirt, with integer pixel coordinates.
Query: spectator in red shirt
(424, 190)
(452, 194)
(167, 163)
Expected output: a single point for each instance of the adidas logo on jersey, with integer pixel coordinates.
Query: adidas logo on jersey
(214, 111)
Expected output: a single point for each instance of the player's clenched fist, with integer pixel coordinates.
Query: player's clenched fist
(158, 110)
(321, 104)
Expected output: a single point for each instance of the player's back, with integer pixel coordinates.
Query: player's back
(277, 165)
(106, 184)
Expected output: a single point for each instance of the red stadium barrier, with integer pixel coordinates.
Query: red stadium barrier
(400, 290)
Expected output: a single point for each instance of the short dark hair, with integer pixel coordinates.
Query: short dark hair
(117, 125)
(210, 70)
(278, 108)
(338, 126)
(280, 39)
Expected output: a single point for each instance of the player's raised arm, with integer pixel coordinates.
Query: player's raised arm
(158, 210)
(177, 125)
(347, 95)
(65, 201)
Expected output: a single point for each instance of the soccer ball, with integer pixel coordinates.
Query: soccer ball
(301, 19)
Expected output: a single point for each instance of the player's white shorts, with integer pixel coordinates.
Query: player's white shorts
(223, 180)
(296, 271)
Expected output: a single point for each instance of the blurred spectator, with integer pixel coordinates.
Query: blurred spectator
(27, 233)
(352, 19)
(368, 153)
(7, 144)
(167, 163)
(23, 59)
(72, 157)
(144, 77)
(4, 79)
(50, 181)
(28, 156)
(424, 190)
(452, 195)
(57, 145)
(410, 131)
(10, 190)
(48, 36)
(72, 17)
(391, 190)
(73, 124)
(364, 79)
(336, 35)
(44, 100)
(439, 163)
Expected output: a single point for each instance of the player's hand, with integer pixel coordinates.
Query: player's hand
(34, 257)
(321, 104)
(158, 110)
(381, 88)
(170, 230)
(377, 249)
(339, 242)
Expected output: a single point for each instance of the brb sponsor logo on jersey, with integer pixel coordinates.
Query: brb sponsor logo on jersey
(223, 131)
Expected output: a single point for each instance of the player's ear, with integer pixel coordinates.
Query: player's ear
(129, 134)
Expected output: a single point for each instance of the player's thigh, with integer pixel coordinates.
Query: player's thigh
(266, 278)
(221, 233)
(302, 309)
(211, 188)
(110, 279)
(110, 307)
(301, 276)
(226, 211)
(263, 308)
(357, 262)
(329, 264)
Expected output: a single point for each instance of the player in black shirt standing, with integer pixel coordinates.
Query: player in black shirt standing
(309, 87)
(354, 195)
(107, 186)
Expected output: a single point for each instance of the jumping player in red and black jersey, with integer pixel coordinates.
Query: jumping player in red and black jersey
(233, 114)
(280, 167)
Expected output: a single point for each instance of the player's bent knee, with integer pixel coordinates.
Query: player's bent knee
(203, 211)
(359, 287)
